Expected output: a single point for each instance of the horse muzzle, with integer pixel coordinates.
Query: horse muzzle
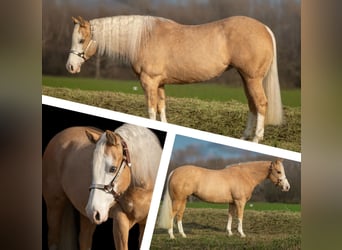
(73, 69)
(285, 186)
(98, 218)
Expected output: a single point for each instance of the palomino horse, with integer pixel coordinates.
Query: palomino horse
(119, 170)
(233, 184)
(161, 51)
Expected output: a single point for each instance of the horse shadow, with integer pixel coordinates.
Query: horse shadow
(193, 225)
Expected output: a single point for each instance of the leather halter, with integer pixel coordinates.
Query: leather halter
(109, 188)
(83, 53)
(270, 172)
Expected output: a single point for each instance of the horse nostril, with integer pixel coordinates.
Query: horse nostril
(71, 68)
(97, 216)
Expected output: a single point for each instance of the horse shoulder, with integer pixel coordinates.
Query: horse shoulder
(135, 203)
(240, 182)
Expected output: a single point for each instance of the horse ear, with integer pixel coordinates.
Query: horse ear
(82, 21)
(93, 136)
(75, 20)
(279, 160)
(112, 139)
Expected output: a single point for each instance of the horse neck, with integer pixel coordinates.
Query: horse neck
(260, 171)
(120, 37)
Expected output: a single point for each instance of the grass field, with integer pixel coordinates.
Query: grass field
(197, 110)
(267, 226)
(202, 91)
(257, 206)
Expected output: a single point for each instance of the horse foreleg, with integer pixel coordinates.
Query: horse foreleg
(141, 232)
(231, 213)
(121, 226)
(150, 87)
(86, 233)
(161, 103)
(55, 209)
(240, 206)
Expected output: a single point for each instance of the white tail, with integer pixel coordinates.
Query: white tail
(274, 113)
(165, 215)
(68, 239)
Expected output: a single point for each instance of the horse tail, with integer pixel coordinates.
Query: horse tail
(274, 113)
(68, 238)
(165, 215)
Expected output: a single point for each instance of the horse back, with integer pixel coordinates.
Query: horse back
(188, 53)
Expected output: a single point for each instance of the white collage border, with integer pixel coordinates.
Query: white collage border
(171, 130)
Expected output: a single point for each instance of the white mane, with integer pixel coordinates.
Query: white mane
(120, 37)
(145, 152)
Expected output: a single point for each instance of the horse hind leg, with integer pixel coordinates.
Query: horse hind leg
(240, 206)
(178, 207)
(180, 217)
(257, 103)
(250, 125)
(231, 213)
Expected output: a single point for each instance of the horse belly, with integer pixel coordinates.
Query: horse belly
(213, 192)
(187, 54)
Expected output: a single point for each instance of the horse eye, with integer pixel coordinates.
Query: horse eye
(279, 172)
(82, 40)
(112, 169)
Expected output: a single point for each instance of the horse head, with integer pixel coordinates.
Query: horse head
(82, 45)
(277, 175)
(111, 175)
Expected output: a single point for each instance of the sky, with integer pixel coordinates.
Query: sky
(208, 149)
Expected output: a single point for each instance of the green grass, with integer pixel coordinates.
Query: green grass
(202, 91)
(257, 206)
(205, 229)
(226, 118)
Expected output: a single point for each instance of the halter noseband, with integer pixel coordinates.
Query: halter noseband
(83, 53)
(109, 188)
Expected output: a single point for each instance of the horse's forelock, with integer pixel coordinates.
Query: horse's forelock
(99, 151)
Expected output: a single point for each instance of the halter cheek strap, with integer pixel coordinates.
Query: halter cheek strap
(270, 172)
(83, 53)
(109, 188)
